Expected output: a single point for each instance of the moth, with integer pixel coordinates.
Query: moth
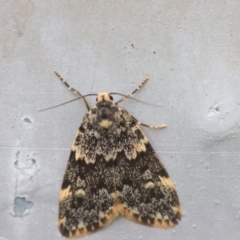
(113, 170)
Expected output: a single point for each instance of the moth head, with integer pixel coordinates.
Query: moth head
(104, 97)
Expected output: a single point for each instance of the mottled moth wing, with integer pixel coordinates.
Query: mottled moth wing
(145, 192)
(113, 170)
(88, 191)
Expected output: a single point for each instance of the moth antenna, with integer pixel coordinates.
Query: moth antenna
(128, 96)
(61, 104)
(72, 89)
(136, 90)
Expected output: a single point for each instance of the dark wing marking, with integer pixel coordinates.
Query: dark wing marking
(88, 192)
(145, 192)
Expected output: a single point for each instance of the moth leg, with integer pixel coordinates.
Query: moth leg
(130, 95)
(154, 126)
(72, 89)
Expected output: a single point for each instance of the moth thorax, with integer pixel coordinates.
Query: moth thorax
(105, 113)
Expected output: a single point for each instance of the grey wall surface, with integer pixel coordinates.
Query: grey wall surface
(191, 52)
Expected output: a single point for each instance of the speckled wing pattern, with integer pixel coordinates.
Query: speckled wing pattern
(113, 170)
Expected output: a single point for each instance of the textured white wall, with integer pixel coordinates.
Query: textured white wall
(191, 52)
